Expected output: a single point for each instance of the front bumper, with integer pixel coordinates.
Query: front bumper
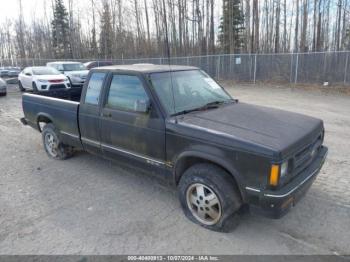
(77, 81)
(47, 86)
(275, 204)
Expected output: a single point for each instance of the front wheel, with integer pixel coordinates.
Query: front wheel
(52, 144)
(35, 88)
(20, 86)
(210, 197)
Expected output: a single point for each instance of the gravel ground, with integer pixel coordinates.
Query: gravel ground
(87, 205)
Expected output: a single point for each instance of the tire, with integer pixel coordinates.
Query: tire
(20, 86)
(53, 146)
(70, 82)
(35, 88)
(221, 214)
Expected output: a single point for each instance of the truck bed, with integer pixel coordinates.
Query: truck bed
(63, 113)
(72, 94)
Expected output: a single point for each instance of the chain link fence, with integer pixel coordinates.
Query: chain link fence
(308, 68)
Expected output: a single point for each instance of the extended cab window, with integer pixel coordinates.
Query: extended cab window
(126, 92)
(94, 88)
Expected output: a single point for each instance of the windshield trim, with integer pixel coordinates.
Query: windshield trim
(213, 105)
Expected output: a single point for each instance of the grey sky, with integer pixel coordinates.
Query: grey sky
(35, 8)
(31, 8)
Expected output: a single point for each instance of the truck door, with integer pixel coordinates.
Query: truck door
(131, 126)
(89, 113)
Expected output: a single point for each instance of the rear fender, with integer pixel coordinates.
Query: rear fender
(43, 118)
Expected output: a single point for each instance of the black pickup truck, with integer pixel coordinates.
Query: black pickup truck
(222, 154)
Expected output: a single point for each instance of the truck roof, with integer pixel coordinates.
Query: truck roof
(147, 68)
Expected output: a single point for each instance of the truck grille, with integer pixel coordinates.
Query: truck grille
(304, 157)
(55, 87)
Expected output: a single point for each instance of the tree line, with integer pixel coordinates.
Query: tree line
(114, 29)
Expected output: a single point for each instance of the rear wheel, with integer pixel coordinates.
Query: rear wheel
(210, 197)
(52, 144)
(20, 86)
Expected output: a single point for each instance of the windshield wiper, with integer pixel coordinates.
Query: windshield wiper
(211, 105)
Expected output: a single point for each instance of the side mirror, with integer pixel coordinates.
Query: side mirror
(142, 105)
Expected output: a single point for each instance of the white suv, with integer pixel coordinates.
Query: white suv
(75, 71)
(42, 78)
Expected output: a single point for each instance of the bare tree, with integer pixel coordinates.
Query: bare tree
(296, 32)
(277, 30)
(20, 31)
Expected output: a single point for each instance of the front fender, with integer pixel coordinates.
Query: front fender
(213, 155)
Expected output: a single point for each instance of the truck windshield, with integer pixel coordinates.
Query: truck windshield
(74, 67)
(184, 91)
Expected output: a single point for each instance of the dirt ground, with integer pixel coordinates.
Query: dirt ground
(87, 205)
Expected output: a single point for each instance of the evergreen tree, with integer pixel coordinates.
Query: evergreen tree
(106, 32)
(231, 27)
(60, 31)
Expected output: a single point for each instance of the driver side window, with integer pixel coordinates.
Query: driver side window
(126, 93)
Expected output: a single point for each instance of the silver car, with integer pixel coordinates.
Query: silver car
(3, 72)
(3, 88)
(76, 72)
(14, 72)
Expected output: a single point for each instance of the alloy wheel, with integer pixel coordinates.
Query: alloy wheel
(204, 204)
(51, 145)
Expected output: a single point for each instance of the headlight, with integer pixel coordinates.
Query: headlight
(284, 169)
(42, 81)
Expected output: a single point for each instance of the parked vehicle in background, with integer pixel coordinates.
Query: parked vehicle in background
(3, 72)
(9, 71)
(177, 121)
(3, 87)
(14, 72)
(42, 79)
(94, 64)
(75, 71)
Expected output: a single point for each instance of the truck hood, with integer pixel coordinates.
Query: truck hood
(280, 132)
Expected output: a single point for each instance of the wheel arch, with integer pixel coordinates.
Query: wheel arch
(190, 158)
(43, 118)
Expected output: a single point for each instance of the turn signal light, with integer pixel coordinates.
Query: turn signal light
(274, 175)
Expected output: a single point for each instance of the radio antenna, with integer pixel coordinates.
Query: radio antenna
(169, 55)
